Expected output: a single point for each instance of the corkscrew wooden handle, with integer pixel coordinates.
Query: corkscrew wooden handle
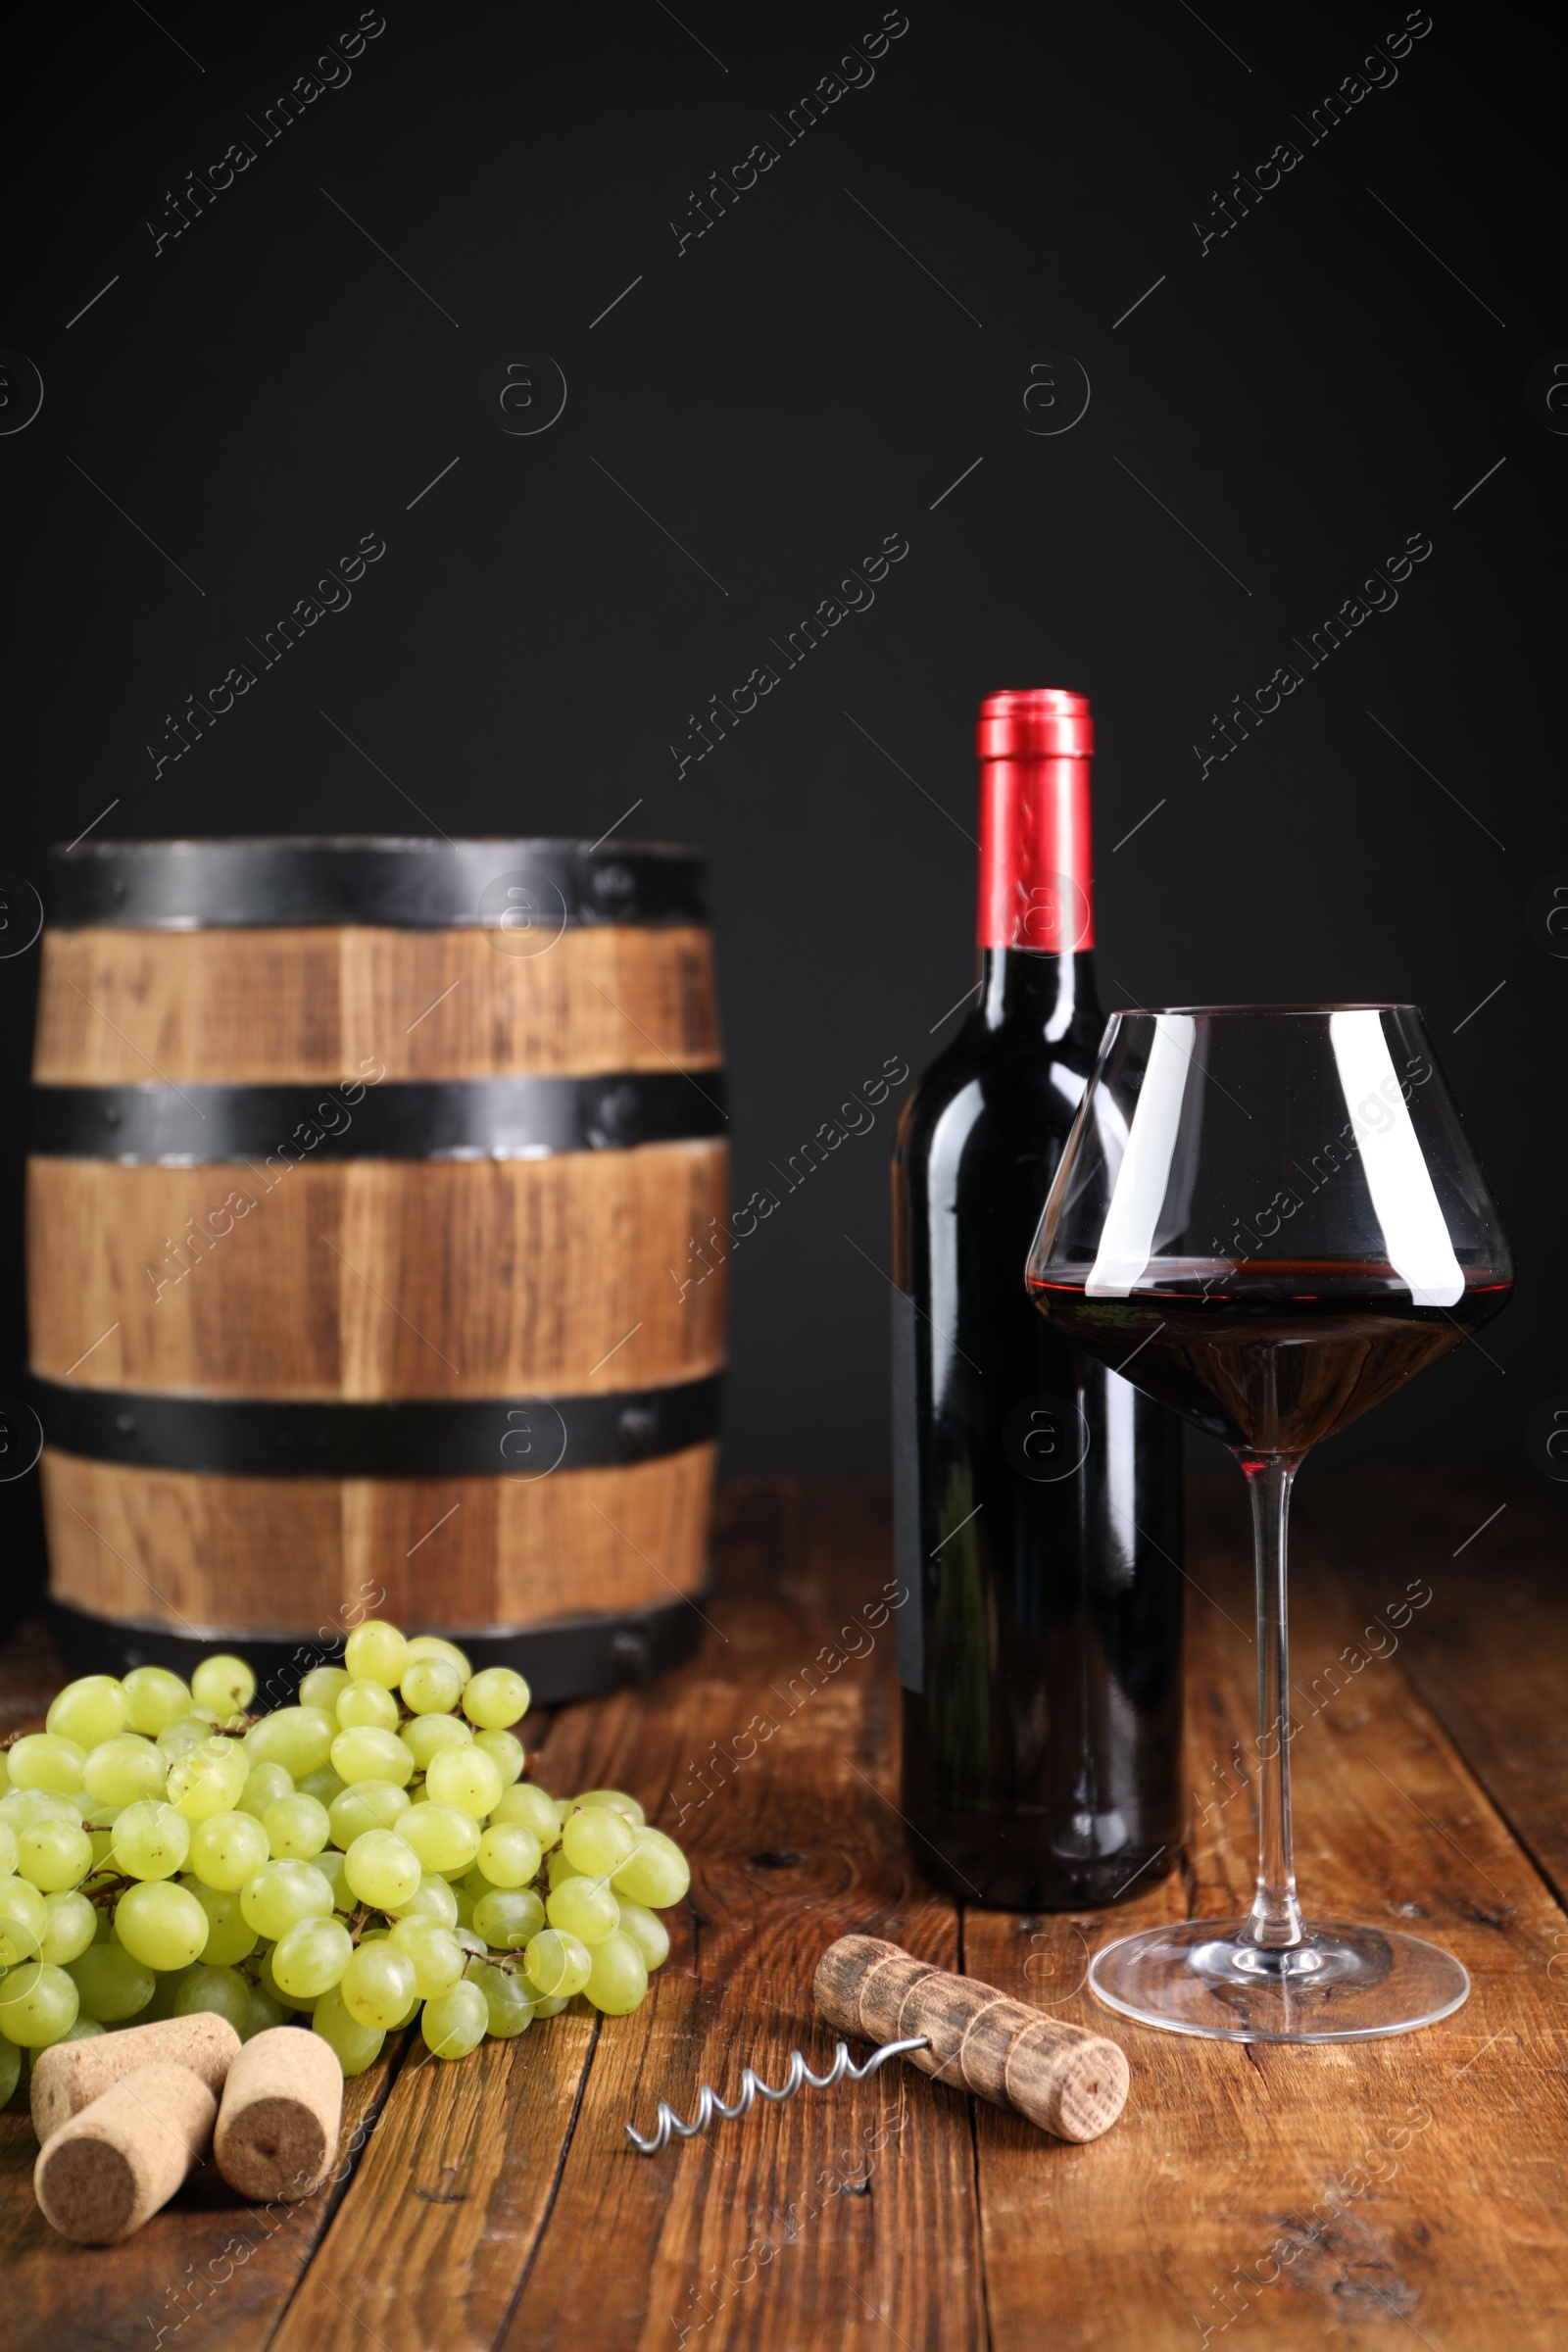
(1069, 2081)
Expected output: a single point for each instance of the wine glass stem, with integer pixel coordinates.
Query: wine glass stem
(1276, 1918)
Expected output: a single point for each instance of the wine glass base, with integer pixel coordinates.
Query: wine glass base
(1341, 1982)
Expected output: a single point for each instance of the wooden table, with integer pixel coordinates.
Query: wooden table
(1396, 2192)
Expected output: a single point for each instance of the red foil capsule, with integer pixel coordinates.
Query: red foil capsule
(1036, 879)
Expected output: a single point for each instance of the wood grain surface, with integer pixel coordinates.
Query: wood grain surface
(374, 1278)
(193, 1552)
(1367, 2194)
(122, 1008)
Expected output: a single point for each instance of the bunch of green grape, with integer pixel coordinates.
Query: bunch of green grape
(367, 1856)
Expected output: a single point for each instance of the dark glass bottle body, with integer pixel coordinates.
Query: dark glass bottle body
(1038, 1496)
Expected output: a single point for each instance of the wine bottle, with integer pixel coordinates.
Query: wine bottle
(1037, 1495)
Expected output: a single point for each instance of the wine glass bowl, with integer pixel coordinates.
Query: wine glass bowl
(1270, 1218)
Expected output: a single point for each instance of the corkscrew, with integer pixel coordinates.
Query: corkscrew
(969, 2035)
(753, 2088)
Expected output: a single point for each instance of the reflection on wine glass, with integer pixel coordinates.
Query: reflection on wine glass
(1270, 1218)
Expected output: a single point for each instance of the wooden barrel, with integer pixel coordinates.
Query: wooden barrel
(366, 1202)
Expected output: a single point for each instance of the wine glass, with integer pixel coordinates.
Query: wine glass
(1269, 1217)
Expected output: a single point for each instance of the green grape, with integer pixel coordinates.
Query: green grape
(377, 1985)
(151, 1840)
(368, 1754)
(225, 1685)
(558, 1963)
(19, 1808)
(377, 1652)
(431, 1686)
(84, 2029)
(382, 1869)
(618, 1978)
(433, 1898)
(528, 1803)
(507, 1752)
(507, 1918)
(223, 1990)
(265, 1783)
(297, 1826)
(584, 1908)
(154, 1699)
(37, 2004)
(598, 1840)
(355, 2046)
(561, 1867)
(300, 1739)
(322, 1785)
(495, 1699)
(431, 1645)
(455, 2022)
(208, 1780)
(329, 1862)
(230, 1938)
(124, 1768)
(46, 1760)
(550, 2004)
(464, 1898)
(470, 1941)
(438, 1957)
(321, 1687)
(54, 1855)
(102, 1842)
(111, 1984)
(367, 1805)
(10, 2070)
(165, 1993)
(282, 1893)
(508, 1854)
(615, 1800)
(647, 1932)
(8, 1849)
(185, 1732)
(260, 1969)
(23, 1921)
(90, 1710)
(262, 2014)
(445, 1837)
(71, 1927)
(464, 1777)
(658, 1873)
(428, 1734)
(311, 1958)
(228, 1848)
(365, 1701)
(163, 1924)
(508, 2000)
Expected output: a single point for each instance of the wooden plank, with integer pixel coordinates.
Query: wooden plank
(377, 1278)
(1488, 1648)
(278, 1005)
(1345, 2190)
(789, 1849)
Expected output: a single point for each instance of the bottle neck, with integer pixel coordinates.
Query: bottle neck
(1036, 996)
(1036, 876)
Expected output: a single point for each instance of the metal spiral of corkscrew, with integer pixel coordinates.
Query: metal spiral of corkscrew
(710, 2104)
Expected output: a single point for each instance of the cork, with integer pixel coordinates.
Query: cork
(110, 2166)
(69, 2075)
(1069, 2081)
(282, 2104)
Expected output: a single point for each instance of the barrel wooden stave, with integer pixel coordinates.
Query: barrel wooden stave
(269, 1006)
(570, 1274)
(174, 1548)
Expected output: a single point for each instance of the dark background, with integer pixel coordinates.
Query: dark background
(793, 385)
